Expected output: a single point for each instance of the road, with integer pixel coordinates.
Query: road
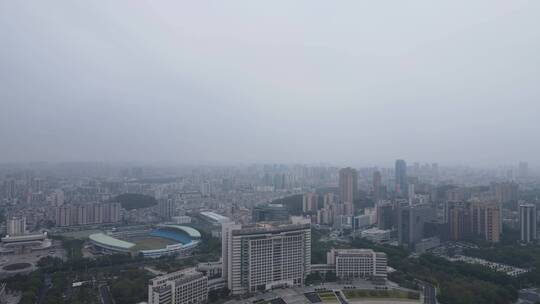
(47, 284)
(105, 294)
(430, 293)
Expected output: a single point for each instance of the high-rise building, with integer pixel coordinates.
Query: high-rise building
(527, 222)
(270, 213)
(10, 188)
(411, 220)
(401, 178)
(357, 263)
(486, 220)
(385, 216)
(266, 255)
(523, 170)
(310, 202)
(167, 208)
(377, 186)
(16, 226)
(329, 199)
(348, 184)
(506, 192)
(186, 286)
(63, 216)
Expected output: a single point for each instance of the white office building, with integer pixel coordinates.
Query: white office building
(265, 256)
(181, 287)
(357, 263)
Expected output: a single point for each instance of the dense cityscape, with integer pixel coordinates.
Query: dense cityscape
(269, 152)
(98, 233)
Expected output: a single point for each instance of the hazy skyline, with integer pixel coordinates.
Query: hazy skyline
(354, 82)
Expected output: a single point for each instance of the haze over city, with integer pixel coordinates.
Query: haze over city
(354, 82)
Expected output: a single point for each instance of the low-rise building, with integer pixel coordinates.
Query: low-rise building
(358, 263)
(181, 287)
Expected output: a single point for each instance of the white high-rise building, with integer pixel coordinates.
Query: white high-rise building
(527, 222)
(266, 255)
(357, 263)
(16, 226)
(186, 286)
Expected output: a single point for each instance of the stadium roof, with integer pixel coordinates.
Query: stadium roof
(216, 217)
(110, 241)
(193, 233)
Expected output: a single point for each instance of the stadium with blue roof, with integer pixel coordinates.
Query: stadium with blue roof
(155, 242)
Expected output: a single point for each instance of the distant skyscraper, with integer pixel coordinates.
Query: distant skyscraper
(270, 213)
(348, 184)
(329, 200)
(523, 170)
(401, 178)
(377, 185)
(310, 202)
(527, 222)
(385, 216)
(411, 220)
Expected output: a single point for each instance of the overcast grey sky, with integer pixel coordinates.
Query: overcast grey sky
(355, 82)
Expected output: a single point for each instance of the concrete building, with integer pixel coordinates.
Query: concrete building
(376, 235)
(310, 202)
(166, 208)
(357, 263)
(265, 256)
(270, 213)
(377, 186)
(181, 287)
(385, 215)
(411, 220)
(16, 226)
(527, 222)
(348, 184)
(402, 185)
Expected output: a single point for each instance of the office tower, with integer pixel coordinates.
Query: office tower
(377, 186)
(357, 263)
(527, 222)
(411, 220)
(329, 200)
(166, 208)
(401, 178)
(385, 216)
(523, 170)
(270, 213)
(264, 256)
(310, 202)
(16, 226)
(186, 286)
(348, 184)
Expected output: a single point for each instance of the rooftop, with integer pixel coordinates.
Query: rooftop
(110, 241)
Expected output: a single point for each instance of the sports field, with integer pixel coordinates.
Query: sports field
(147, 243)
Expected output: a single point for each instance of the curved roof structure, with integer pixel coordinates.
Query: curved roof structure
(109, 241)
(193, 233)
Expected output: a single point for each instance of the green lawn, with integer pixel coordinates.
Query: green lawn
(392, 293)
(327, 296)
